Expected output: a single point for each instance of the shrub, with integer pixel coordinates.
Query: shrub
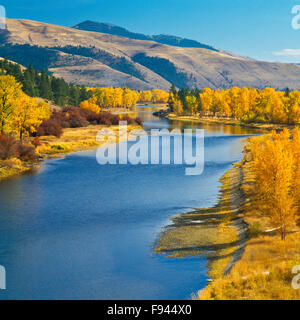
(128, 119)
(90, 116)
(60, 118)
(49, 128)
(26, 152)
(8, 147)
(74, 117)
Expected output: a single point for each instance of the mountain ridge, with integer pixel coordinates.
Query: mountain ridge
(100, 59)
(167, 39)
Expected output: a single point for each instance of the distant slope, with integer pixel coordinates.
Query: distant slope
(161, 38)
(101, 59)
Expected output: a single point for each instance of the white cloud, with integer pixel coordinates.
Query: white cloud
(288, 53)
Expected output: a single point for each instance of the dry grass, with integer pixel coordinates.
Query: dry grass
(264, 272)
(13, 167)
(265, 269)
(74, 139)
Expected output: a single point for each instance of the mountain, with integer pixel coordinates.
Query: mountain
(100, 59)
(122, 32)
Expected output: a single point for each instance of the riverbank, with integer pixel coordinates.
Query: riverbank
(232, 122)
(72, 140)
(218, 233)
(264, 270)
(246, 257)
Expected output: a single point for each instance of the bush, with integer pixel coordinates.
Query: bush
(128, 119)
(60, 118)
(8, 147)
(26, 152)
(74, 117)
(90, 116)
(49, 128)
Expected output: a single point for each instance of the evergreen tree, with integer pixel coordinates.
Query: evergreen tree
(28, 84)
(173, 89)
(45, 90)
(287, 92)
(74, 98)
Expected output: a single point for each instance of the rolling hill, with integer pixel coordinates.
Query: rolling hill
(98, 58)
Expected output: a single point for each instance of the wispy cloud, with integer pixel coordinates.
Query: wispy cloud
(288, 53)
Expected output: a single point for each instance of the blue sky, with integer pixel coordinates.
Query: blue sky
(258, 28)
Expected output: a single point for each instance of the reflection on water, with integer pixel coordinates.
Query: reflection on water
(78, 230)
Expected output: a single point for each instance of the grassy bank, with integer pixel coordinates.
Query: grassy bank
(72, 140)
(233, 122)
(13, 167)
(265, 268)
(246, 257)
(217, 232)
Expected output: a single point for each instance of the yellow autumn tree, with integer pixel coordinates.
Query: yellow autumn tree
(130, 98)
(159, 96)
(145, 96)
(28, 113)
(295, 147)
(273, 168)
(10, 90)
(206, 99)
(178, 107)
(90, 105)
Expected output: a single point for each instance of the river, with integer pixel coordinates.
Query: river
(78, 230)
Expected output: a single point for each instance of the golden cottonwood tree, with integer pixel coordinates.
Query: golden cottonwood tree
(145, 96)
(28, 113)
(178, 107)
(90, 105)
(10, 90)
(273, 167)
(159, 96)
(130, 98)
(295, 146)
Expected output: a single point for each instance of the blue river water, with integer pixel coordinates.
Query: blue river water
(79, 230)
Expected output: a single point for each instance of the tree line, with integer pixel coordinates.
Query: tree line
(124, 97)
(43, 85)
(245, 104)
